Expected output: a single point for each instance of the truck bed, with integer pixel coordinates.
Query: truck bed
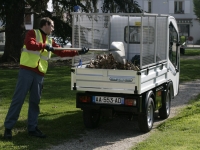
(118, 81)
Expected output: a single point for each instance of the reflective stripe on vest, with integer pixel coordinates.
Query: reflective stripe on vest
(35, 59)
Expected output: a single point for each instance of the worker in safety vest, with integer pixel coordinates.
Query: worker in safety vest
(37, 49)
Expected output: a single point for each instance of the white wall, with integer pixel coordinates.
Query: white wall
(167, 7)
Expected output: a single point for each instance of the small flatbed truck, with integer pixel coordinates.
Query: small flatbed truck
(154, 39)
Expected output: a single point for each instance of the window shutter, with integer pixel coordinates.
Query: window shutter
(187, 7)
(171, 7)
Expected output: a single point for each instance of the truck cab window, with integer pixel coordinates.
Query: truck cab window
(173, 48)
(133, 34)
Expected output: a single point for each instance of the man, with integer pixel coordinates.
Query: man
(33, 66)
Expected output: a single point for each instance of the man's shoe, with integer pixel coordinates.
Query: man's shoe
(37, 133)
(8, 134)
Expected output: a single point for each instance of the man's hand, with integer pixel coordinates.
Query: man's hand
(49, 48)
(84, 50)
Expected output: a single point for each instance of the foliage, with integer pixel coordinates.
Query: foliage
(197, 8)
(119, 6)
(39, 9)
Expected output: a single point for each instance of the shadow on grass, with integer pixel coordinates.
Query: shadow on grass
(68, 125)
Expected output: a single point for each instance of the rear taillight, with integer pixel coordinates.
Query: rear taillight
(85, 99)
(130, 102)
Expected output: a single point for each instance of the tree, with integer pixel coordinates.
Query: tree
(121, 6)
(12, 13)
(197, 8)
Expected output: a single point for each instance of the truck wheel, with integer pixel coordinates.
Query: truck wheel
(164, 111)
(146, 120)
(91, 118)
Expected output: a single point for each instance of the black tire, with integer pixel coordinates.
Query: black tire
(146, 120)
(91, 118)
(164, 111)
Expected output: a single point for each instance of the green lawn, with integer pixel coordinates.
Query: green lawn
(192, 52)
(61, 120)
(59, 117)
(190, 70)
(179, 133)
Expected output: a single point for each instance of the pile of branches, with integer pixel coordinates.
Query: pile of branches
(107, 61)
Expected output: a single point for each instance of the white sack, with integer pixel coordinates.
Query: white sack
(119, 54)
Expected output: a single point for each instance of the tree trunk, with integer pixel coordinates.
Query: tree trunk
(14, 31)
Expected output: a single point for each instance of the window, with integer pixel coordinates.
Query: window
(173, 46)
(134, 33)
(149, 7)
(27, 18)
(184, 29)
(178, 7)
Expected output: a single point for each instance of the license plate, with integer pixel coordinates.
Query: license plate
(108, 100)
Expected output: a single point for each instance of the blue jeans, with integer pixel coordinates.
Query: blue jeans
(28, 81)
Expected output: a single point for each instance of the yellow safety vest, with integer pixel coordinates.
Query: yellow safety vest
(40, 58)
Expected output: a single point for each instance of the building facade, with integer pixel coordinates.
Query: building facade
(182, 10)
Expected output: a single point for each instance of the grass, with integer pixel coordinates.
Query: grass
(179, 133)
(190, 68)
(192, 52)
(59, 117)
(61, 120)
(183, 131)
